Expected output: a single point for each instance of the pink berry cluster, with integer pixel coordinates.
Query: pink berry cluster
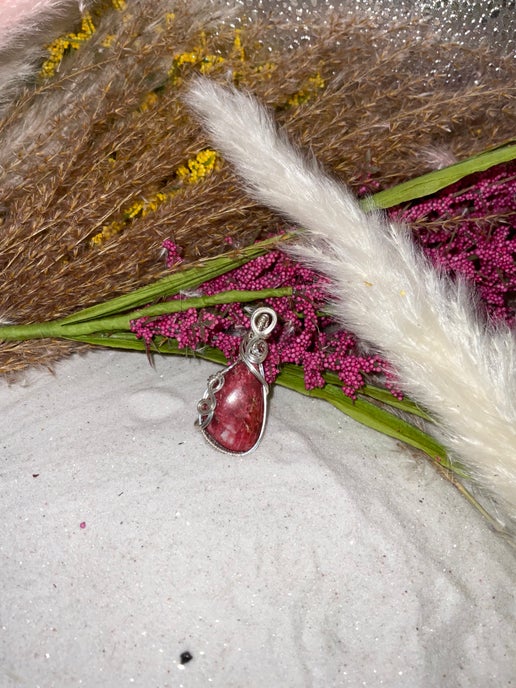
(173, 254)
(469, 229)
(304, 335)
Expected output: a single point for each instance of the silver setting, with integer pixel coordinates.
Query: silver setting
(253, 352)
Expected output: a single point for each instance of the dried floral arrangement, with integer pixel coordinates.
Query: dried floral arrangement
(102, 165)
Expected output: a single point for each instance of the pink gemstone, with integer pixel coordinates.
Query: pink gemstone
(238, 417)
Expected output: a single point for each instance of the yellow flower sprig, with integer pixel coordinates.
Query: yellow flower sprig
(199, 167)
(206, 161)
(71, 41)
(204, 61)
(311, 88)
(238, 46)
(195, 169)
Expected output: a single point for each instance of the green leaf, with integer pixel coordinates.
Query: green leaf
(384, 396)
(432, 182)
(372, 416)
(292, 377)
(184, 279)
(128, 341)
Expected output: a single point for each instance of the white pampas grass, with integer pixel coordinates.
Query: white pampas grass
(23, 40)
(447, 358)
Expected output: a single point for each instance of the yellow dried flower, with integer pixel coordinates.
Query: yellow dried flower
(267, 68)
(312, 86)
(209, 61)
(238, 48)
(72, 41)
(107, 232)
(196, 57)
(133, 210)
(204, 163)
(149, 101)
(87, 26)
(108, 40)
(185, 58)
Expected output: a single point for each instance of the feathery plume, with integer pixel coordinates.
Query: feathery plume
(22, 42)
(448, 358)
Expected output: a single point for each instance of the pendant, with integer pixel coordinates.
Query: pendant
(233, 410)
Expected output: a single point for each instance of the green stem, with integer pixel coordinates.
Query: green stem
(120, 323)
(385, 397)
(432, 182)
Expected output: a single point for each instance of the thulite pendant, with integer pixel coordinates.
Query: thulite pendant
(238, 418)
(233, 410)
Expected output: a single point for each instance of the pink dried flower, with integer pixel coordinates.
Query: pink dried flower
(469, 229)
(304, 336)
(459, 228)
(173, 253)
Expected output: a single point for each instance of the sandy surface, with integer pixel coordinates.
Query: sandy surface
(330, 557)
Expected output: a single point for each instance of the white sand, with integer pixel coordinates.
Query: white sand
(329, 557)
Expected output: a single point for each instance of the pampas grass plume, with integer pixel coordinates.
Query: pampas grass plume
(447, 358)
(22, 41)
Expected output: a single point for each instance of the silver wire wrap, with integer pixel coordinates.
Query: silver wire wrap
(253, 352)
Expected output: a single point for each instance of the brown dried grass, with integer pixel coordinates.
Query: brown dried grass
(78, 149)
